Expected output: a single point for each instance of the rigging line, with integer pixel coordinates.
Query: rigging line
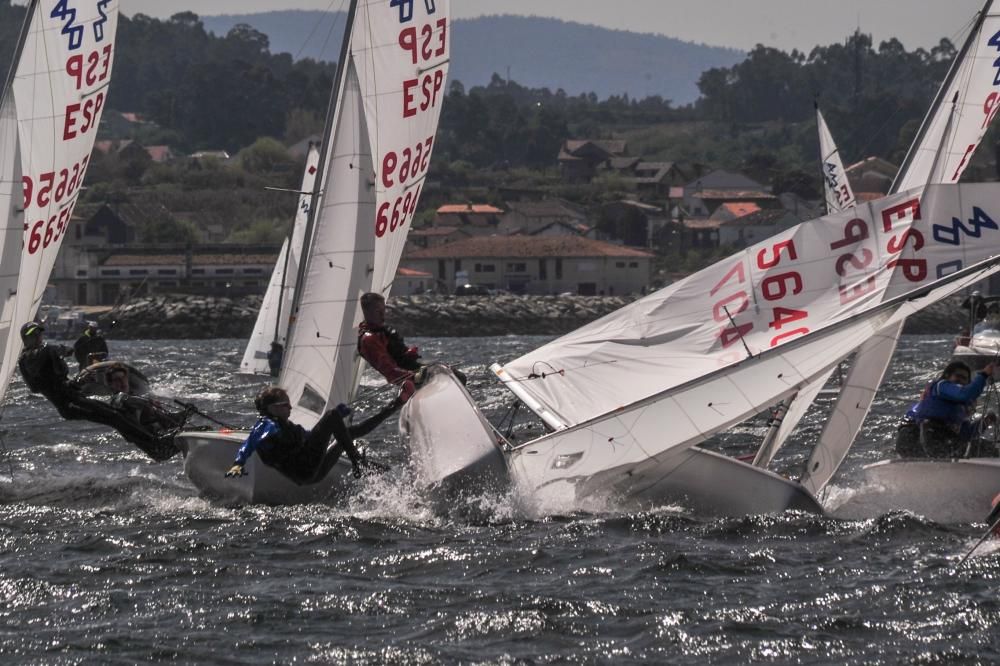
(986, 535)
(316, 27)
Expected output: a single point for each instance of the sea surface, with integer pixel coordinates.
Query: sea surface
(108, 558)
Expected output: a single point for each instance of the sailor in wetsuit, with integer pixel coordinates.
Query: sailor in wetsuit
(940, 425)
(90, 347)
(158, 423)
(304, 456)
(45, 372)
(384, 348)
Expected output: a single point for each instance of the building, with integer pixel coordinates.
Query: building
(527, 217)
(410, 281)
(579, 159)
(538, 265)
(754, 227)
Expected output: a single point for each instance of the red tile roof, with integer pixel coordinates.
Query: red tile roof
(527, 247)
(402, 271)
(482, 209)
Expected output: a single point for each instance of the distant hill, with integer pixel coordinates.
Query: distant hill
(539, 52)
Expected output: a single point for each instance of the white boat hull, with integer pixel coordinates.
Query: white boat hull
(452, 445)
(208, 455)
(945, 491)
(701, 481)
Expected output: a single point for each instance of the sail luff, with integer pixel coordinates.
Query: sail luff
(328, 129)
(904, 179)
(22, 37)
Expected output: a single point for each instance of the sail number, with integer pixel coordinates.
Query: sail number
(414, 163)
(393, 216)
(53, 187)
(43, 233)
(735, 296)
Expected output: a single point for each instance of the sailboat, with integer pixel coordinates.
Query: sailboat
(274, 316)
(52, 103)
(629, 397)
(373, 160)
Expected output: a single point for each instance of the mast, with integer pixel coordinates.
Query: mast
(314, 203)
(939, 98)
(281, 288)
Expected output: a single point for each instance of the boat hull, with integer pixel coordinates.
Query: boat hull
(703, 482)
(452, 445)
(208, 455)
(945, 491)
(974, 356)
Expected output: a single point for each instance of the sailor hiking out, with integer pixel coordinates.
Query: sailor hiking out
(385, 350)
(940, 425)
(305, 456)
(45, 371)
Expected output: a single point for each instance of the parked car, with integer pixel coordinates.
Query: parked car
(471, 290)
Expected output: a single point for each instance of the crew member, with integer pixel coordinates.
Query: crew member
(155, 424)
(940, 425)
(384, 348)
(304, 456)
(274, 357)
(90, 347)
(45, 372)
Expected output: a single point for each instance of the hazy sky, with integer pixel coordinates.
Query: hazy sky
(740, 24)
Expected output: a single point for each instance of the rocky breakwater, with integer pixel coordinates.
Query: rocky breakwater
(177, 317)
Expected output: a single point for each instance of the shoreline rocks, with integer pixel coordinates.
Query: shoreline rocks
(206, 317)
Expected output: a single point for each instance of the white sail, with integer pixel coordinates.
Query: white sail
(967, 101)
(954, 126)
(59, 90)
(376, 158)
(836, 189)
(272, 320)
(12, 230)
(686, 415)
(790, 285)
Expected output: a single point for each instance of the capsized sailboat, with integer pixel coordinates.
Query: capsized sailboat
(275, 310)
(52, 104)
(372, 164)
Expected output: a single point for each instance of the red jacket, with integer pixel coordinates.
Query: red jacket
(385, 350)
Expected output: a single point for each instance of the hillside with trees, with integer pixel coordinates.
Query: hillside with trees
(202, 91)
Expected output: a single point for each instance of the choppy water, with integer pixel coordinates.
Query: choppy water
(107, 558)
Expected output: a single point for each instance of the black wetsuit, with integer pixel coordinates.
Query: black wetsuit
(307, 456)
(45, 372)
